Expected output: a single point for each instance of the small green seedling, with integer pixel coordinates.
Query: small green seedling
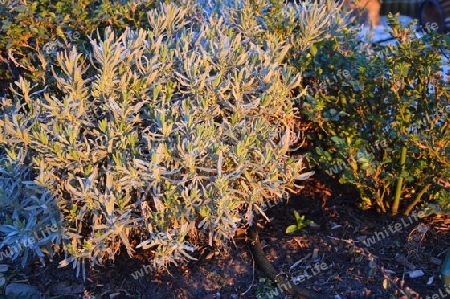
(301, 223)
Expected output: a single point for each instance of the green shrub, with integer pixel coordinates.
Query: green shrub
(160, 136)
(32, 31)
(384, 124)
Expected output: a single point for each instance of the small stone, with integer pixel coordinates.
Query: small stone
(435, 261)
(315, 255)
(422, 228)
(416, 273)
(22, 290)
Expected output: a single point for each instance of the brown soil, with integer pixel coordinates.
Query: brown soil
(349, 268)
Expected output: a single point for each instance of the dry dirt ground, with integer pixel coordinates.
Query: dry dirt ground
(333, 258)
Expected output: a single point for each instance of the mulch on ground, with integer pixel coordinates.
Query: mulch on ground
(348, 252)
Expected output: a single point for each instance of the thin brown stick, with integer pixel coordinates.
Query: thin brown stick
(284, 284)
